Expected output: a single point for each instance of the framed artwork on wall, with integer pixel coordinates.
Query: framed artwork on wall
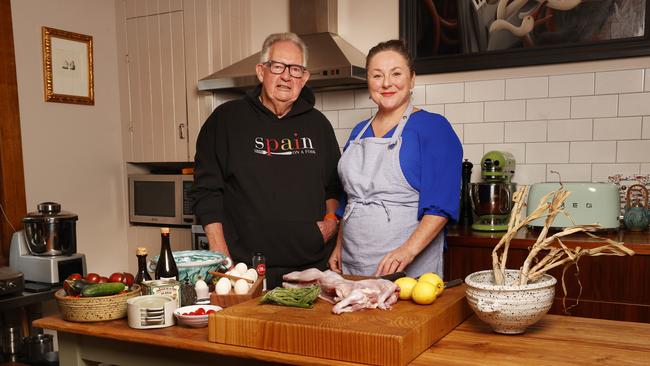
(457, 35)
(67, 67)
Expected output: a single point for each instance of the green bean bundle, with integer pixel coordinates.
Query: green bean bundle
(302, 297)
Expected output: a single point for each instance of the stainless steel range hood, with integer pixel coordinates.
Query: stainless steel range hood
(333, 63)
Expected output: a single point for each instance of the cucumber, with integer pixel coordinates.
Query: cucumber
(103, 289)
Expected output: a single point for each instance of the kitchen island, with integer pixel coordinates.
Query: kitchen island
(557, 340)
(613, 288)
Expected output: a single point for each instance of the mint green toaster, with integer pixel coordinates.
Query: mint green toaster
(588, 203)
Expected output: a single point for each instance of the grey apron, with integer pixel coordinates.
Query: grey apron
(382, 207)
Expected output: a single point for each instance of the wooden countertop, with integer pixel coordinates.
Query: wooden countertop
(554, 340)
(639, 241)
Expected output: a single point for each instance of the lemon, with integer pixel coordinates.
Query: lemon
(406, 285)
(424, 293)
(435, 280)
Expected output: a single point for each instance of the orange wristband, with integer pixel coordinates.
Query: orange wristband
(330, 216)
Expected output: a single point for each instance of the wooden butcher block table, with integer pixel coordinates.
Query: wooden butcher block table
(379, 337)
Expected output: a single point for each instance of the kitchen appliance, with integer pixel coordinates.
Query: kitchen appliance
(52, 269)
(160, 199)
(589, 203)
(11, 281)
(150, 311)
(50, 231)
(333, 62)
(492, 198)
(199, 239)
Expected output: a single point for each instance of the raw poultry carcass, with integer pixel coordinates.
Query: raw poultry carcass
(346, 295)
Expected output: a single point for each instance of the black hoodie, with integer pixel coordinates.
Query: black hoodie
(266, 179)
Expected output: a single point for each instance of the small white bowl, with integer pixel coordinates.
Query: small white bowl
(196, 321)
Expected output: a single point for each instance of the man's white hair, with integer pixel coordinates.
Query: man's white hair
(280, 37)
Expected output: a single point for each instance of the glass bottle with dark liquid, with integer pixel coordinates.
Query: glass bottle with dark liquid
(166, 267)
(143, 274)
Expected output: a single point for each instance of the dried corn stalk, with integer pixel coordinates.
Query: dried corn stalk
(555, 256)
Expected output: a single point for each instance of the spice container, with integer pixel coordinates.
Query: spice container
(170, 288)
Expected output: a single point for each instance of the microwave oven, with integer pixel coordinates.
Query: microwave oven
(160, 199)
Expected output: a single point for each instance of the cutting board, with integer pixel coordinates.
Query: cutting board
(380, 337)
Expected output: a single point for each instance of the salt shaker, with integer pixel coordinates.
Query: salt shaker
(202, 292)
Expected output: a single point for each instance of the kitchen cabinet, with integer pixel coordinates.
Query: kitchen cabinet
(156, 125)
(612, 287)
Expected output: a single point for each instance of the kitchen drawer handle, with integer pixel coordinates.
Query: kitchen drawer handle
(181, 128)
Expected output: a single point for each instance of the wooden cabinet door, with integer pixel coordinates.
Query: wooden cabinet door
(156, 79)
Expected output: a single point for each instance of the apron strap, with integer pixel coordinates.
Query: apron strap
(351, 205)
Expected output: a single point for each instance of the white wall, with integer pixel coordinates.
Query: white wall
(73, 153)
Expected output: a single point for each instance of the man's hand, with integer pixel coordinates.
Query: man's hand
(327, 228)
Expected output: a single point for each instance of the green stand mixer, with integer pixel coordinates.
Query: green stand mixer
(492, 198)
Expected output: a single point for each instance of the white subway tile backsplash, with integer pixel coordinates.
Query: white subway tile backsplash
(524, 88)
(342, 136)
(587, 126)
(645, 169)
(532, 131)
(622, 128)
(548, 108)
(517, 150)
(601, 172)
(458, 128)
(634, 104)
(594, 106)
(547, 152)
(445, 93)
(526, 174)
(419, 95)
(593, 152)
(633, 151)
(645, 134)
(477, 91)
(464, 112)
(434, 108)
(570, 85)
(333, 117)
(483, 132)
(568, 172)
(362, 99)
(510, 110)
(351, 117)
(570, 130)
(318, 101)
(338, 100)
(625, 81)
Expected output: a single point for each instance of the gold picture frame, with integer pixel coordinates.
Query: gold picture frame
(68, 67)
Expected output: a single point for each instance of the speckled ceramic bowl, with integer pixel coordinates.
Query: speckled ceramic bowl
(93, 309)
(193, 264)
(509, 308)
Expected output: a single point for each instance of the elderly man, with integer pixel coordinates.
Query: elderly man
(265, 177)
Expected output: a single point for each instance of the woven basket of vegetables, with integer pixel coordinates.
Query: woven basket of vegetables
(94, 308)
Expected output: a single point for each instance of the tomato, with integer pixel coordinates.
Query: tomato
(116, 277)
(127, 279)
(74, 276)
(210, 311)
(92, 277)
(200, 311)
(102, 279)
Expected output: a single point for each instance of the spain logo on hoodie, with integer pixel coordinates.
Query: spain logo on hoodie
(294, 145)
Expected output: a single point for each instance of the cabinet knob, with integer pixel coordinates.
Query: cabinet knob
(181, 129)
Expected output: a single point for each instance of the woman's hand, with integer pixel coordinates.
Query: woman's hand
(395, 261)
(335, 258)
(327, 229)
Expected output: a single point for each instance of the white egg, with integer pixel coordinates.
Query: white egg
(241, 287)
(241, 267)
(251, 274)
(223, 286)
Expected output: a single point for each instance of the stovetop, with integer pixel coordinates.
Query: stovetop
(11, 281)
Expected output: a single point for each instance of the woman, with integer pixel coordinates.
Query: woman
(401, 174)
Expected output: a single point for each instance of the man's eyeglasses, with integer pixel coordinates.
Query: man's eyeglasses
(277, 67)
